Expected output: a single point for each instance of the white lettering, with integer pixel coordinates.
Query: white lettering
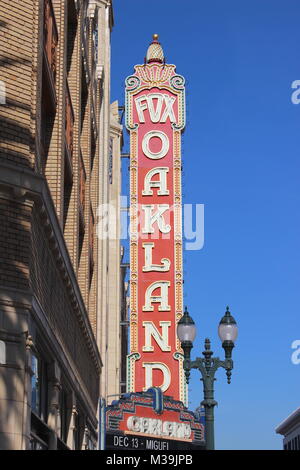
(149, 367)
(141, 107)
(133, 424)
(164, 267)
(161, 183)
(162, 299)
(157, 445)
(155, 114)
(169, 112)
(147, 101)
(157, 427)
(165, 145)
(156, 217)
(161, 339)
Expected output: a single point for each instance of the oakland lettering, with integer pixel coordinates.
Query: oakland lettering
(155, 118)
(160, 108)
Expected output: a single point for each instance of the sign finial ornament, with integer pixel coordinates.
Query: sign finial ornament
(155, 52)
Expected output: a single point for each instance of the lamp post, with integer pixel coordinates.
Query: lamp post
(208, 365)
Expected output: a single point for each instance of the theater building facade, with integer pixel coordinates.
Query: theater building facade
(58, 137)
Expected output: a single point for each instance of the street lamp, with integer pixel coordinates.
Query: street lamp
(208, 365)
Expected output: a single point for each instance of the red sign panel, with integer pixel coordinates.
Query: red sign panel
(155, 118)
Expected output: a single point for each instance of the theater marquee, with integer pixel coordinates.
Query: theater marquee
(151, 421)
(155, 118)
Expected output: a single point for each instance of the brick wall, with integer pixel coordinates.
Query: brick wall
(14, 243)
(16, 46)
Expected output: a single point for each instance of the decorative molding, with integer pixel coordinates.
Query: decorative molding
(100, 72)
(60, 352)
(131, 371)
(92, 9)
(13, 297)
(105, 3)
(34, 187)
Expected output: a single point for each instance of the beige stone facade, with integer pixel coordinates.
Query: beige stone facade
(55, 135)
(113, 357)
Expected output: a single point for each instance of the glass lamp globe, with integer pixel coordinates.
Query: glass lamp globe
(228, 330)
(186, 329)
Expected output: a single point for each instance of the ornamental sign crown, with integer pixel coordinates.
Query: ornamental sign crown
(155, 119)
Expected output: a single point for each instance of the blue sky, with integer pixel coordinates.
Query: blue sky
(241, 160)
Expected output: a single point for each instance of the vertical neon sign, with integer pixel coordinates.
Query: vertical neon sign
(155, 119)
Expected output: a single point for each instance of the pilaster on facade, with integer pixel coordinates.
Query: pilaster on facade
(114, 363)
(105, 23)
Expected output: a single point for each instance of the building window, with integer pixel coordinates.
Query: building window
(36, 443)
(85, 24)
(63, 410)
(2, 352)
(91, 243)
(84, 95)
(89, 442)
(39, 434)
(48, 106)
(72, 28)
(35, 386)
(95, 42)
(110, 161)
(93, 149)
(50, 39)
(295, 443)
(2, 93)
(39, 387)
(68, 183)
(69, 125)
(76, 434)
(82, 184)
(39, 430)
(47, 123)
